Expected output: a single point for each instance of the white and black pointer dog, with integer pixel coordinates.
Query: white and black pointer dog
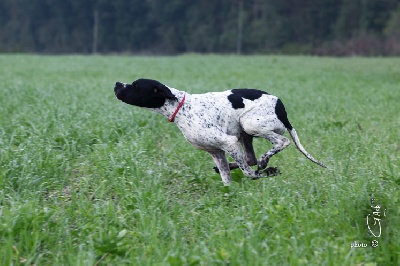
(220, 122)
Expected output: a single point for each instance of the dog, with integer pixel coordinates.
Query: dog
(220, 122)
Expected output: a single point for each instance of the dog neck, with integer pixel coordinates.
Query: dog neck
(170, 106)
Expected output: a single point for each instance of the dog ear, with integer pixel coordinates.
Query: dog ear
(163, 90)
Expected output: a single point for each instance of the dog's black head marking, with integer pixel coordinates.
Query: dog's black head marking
(143, 93)
(236, 98)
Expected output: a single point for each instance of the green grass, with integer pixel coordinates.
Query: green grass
(88, 180)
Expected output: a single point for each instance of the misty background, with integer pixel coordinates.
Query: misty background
(318, 27)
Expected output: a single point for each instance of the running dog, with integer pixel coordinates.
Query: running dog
(220, 122)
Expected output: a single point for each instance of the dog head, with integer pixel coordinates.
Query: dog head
(143, 93)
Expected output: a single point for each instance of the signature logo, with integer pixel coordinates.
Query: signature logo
(374, 225)
(374, 220)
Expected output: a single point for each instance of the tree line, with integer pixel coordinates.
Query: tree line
(323, 27)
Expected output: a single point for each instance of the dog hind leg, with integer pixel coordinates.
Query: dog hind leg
(280, 142)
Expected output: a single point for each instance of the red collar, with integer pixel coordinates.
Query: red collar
(177, 109)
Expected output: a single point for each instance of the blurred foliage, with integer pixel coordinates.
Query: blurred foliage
(178, 26)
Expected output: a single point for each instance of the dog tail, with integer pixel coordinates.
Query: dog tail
(282, 116)
(296, 141)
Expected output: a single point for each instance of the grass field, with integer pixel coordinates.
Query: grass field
(88, 180)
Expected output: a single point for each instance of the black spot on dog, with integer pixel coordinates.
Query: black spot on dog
(236, 98)
(282, 115)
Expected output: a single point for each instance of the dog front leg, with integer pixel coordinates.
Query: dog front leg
(222, 165)
(246, 141)
(240, 158)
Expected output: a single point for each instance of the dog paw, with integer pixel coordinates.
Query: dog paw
(262, 164)
(271, 171)
(216, 169)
